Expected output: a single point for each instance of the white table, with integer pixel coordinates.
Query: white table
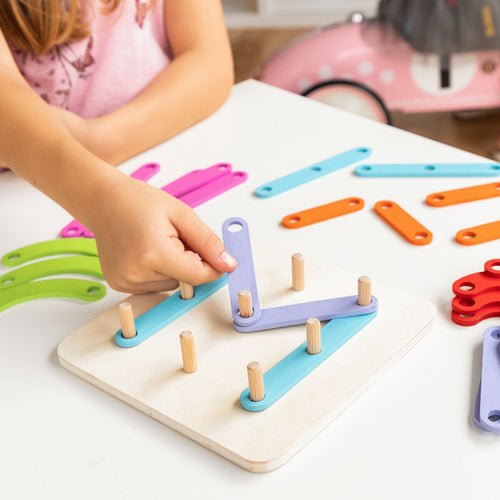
(409, 436)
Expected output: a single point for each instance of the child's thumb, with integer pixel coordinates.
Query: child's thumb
(202, 240)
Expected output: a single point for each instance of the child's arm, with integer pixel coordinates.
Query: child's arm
(141, 232)
(190, 88)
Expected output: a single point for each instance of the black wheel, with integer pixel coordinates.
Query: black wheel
(350, 96)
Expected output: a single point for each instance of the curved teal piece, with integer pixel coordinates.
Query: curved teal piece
(298, 364)
(312, 172)
(79, 246)
(87, 265)
(89, 291)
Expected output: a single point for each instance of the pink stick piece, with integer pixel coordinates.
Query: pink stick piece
(196, 179)
(213, 189)
(76, 229)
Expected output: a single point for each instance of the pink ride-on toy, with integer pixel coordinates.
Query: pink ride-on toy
(366, 67)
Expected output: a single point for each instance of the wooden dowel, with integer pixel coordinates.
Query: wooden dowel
(364, 291)
(245, 303)
(298, 272)
(256, 381)
(187, 291)
(313, 332)
(188, 352)
(127, 320)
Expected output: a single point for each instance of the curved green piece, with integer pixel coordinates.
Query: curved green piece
(80, 246)
(63, 265)
(73, 288)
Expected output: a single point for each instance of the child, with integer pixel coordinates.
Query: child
(86, 84)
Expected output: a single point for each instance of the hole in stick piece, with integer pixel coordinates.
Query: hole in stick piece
(127, 320)
(256, 381)
(188, 352)
(364, 291)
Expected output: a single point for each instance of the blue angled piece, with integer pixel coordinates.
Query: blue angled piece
(429, 170)
(298, 364)
(167, 311)
(312, 172)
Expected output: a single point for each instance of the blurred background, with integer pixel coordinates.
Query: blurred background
(260, 28)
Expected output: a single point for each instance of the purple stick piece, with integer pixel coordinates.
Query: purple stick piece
(76, 229)
(487, 411)
(237, 241)
(298, 314)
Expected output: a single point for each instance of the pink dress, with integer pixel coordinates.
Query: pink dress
(91, 77)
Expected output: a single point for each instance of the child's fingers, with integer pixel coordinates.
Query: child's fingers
(202, 240)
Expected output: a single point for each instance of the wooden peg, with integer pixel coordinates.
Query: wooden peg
(187, 291)
(245, 303)
(256, 381)
(313, 331)
(188, 352)
(127, 320)
(364, 291)
(298, 271)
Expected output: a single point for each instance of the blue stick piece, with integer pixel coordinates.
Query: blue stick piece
(312, 172)
(487, 408)
(237, 242)
(429, 170)
(298, 364)
(166, 312)
(298, 314)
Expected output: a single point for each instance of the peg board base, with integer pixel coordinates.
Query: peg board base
(205, 406)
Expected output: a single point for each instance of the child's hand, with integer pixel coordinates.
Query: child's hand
(148, 240)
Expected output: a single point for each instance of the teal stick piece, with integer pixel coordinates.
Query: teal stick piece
(312, 172)
(298, 364)
(167, 311)
(79, 246)
(429, 170)
(87, 265)
(89, 291)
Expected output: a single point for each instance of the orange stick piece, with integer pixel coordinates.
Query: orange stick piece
(322, 212)
(408, 227)
(479, 234)
(464, 195)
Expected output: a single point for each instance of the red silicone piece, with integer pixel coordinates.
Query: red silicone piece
(477, 283)
(475, 318)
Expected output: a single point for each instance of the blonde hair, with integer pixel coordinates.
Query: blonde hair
(38, 25)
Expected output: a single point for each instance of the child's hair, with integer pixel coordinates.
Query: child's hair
(38, 25)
